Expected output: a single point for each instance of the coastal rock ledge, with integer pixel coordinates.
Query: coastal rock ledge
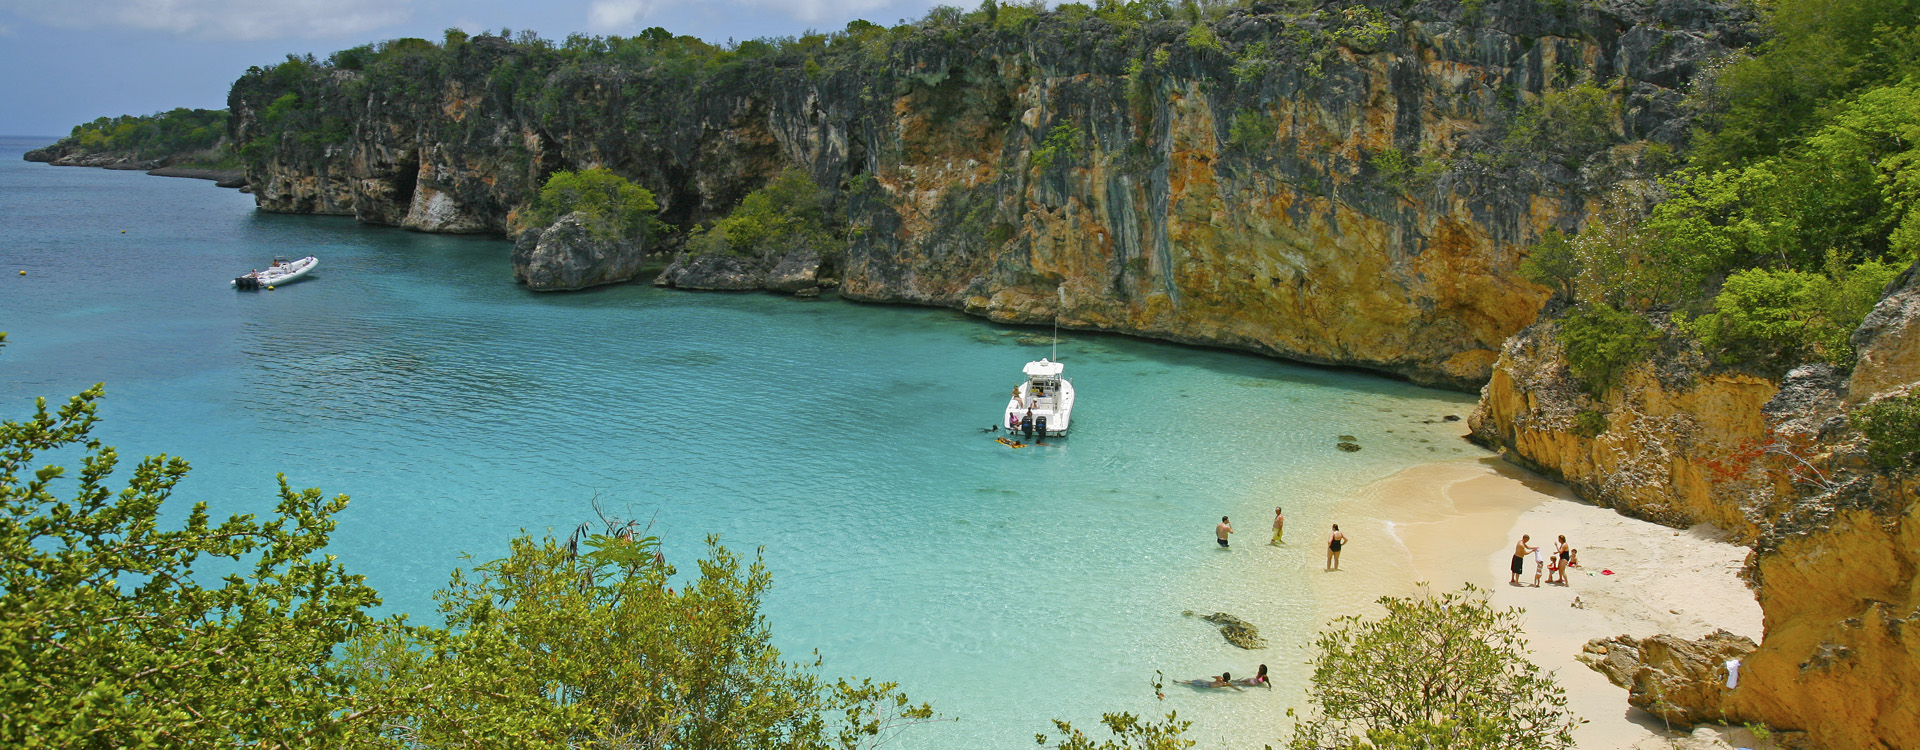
(568, 256)
(1778, 464)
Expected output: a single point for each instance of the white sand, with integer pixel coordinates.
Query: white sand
(1456, 522)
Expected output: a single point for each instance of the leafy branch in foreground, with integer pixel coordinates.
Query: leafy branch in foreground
(109, 638)
(1129, 732)
(1447, 671)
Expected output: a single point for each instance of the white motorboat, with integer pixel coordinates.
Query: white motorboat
(282, 271)
(1043, 403)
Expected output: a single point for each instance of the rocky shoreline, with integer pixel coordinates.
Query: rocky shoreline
(160, 167)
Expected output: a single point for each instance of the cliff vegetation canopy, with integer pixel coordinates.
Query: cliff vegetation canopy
(197, 135)
(1798, 203)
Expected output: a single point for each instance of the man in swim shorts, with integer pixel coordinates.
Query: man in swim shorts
(1221, 531)
(1520, 559)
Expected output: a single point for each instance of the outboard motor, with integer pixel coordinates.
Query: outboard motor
(1026, 425)
(1040, 425)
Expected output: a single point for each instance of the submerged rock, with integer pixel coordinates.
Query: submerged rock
(1237, 631)
(569, 256)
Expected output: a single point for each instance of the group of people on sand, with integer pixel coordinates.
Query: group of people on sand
(1225, 680)
(1554, 564)
(1334, 542)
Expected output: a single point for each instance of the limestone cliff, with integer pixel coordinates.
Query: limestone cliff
(1328, 183)
(1836, 539)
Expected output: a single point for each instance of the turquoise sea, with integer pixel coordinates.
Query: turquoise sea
(1008, 587)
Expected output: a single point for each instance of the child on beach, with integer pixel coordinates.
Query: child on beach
(1539, 566)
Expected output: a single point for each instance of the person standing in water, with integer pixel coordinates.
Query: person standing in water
(1279, 524)
(1520, 558)
(1334, 543)
(1221, 531)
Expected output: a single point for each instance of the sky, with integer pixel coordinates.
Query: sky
(64, 62)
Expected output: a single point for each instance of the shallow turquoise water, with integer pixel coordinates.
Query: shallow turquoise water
(1008, 587)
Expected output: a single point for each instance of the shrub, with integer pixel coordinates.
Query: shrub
(1589, 423)
(1892, 428)
(1552, 263)
(1776, 319)
(1062, 140)
(1251, 131)
(1602, 342)
(789, 211)
(1567, 124)
(1200, 38)
(610, 206)
(1446, 671)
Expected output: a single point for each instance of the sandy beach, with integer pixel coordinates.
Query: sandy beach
(1455, 522)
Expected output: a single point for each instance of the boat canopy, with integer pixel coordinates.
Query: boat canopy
(1044, 369)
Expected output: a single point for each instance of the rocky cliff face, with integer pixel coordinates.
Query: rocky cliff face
(1329, 185)
(1836, 539)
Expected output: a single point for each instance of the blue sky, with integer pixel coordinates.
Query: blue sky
(64, 62)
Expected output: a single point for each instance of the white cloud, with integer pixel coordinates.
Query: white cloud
(817, 10)
(611, 16)
(218, 19)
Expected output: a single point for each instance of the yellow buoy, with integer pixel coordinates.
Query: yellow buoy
(269, 287)
(123, 231)
(23, 273)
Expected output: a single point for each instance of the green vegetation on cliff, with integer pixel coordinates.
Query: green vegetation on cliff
(188, 137)
(1799, 201)
(1892, 428)
(787, 213)
(608, 205)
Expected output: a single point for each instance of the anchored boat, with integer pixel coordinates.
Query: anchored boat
(1043, 404)
(282, 271)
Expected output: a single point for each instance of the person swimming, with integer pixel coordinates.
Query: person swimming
(1258, 680)
(1224, 680)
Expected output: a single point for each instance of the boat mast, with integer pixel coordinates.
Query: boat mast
(1056, 321)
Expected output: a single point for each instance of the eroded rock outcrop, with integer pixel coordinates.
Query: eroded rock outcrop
(797, 271)
(1285, 181)
(1836, 539)
(569, 255)
(1679, 680)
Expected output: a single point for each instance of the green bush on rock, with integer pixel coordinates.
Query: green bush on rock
(1774, 319)
(610, 206)
(788, 212)
(1602, 342)
(1892, 428)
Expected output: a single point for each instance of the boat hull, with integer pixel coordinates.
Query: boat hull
(293, 272)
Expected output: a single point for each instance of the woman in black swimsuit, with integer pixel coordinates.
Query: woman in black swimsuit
(1334, 544)
(1561, 548)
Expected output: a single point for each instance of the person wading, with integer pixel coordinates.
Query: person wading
(1220, 532)
(1334, 543)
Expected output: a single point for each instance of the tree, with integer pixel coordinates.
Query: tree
(1446, 671)
(1128, 732)
(554, 646)
(1602, 342)
(107, 638)
(608, 205)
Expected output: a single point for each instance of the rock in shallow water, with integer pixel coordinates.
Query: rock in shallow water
(568, 256)
(1237, 631)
